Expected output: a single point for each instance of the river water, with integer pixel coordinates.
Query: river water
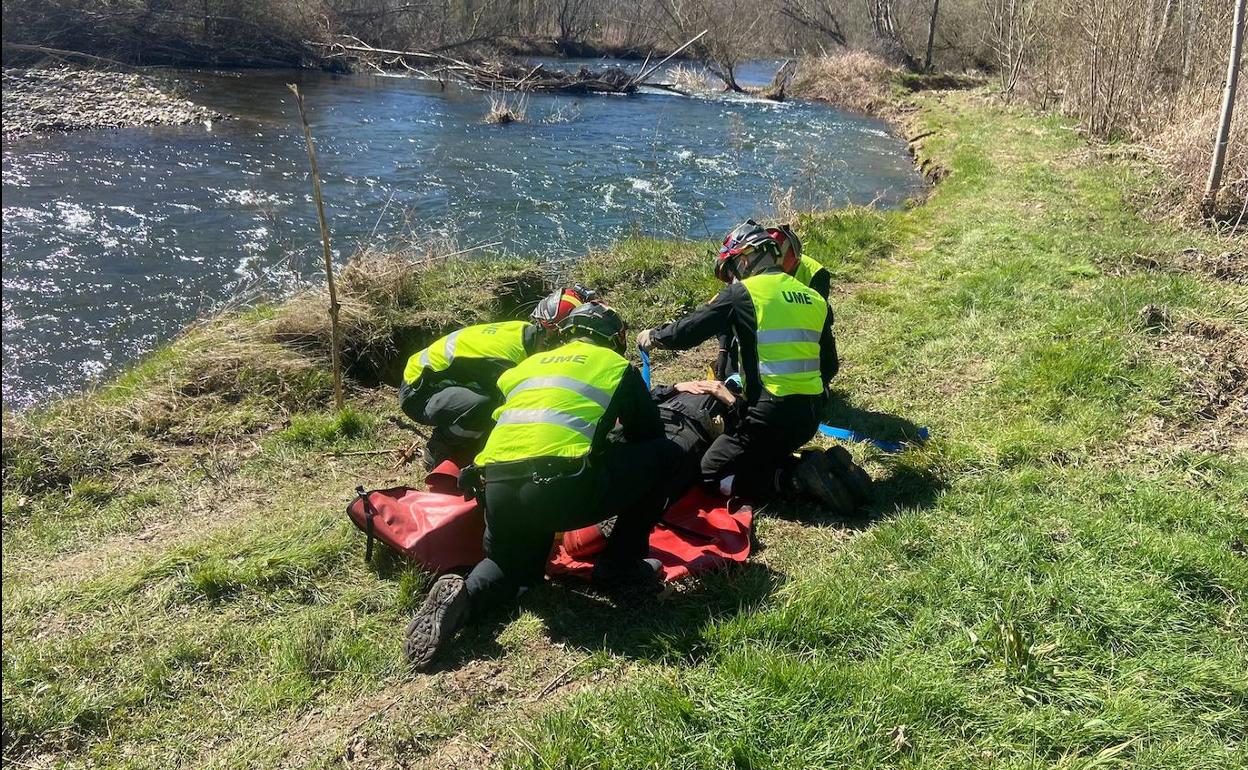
(114, 240)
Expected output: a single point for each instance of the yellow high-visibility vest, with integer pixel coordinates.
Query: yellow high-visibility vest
(555, 400)
(806, 269)
(503, 341)
(789, 317)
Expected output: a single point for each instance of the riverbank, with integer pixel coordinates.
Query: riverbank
(232, 215)
(1058, 576)
(65, 98)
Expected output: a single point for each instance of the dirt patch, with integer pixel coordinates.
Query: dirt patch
(1228, 266)
(1214, 357)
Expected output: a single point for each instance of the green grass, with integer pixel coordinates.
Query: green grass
(1056, 580)
(1059, 601)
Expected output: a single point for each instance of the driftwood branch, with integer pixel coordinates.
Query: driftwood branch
(500, 75)
(645, 73)
(780, 81)
(63, 54)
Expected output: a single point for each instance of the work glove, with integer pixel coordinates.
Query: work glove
(643, 340)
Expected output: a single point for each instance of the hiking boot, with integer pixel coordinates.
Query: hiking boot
(622, 573)
(431, 458)
(849, 473)
(814, 477)
(443, 613)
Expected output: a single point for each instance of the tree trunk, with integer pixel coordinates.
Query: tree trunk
(931, 36)
(1228, 102)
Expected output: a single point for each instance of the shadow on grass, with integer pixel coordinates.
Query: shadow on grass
(676, 627)
(881, 425)
(669, 628)
(906, 486)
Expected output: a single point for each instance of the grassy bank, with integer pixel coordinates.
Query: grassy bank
(1056, 579)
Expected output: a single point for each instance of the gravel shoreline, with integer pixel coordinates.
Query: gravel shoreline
(71, 98)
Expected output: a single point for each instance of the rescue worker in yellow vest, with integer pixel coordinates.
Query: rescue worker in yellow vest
(553, 464)
(809, 271)
(452, 384)
(788, 355)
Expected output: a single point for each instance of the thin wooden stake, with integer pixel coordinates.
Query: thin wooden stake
(329, 261)
(1228, 102)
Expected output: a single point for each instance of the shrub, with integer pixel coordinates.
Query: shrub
(1185, 146)
(852, 80)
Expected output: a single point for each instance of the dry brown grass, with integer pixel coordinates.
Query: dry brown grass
(504, 110)
(232, 377)
(853, 80)
(690, 78)
(1185, 146)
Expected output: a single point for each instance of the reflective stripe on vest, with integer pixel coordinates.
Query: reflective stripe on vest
(597, 395)
(502, 341)
(548, 417)
(789, 319)
(789, 367)
(555, 401)
(768, 336)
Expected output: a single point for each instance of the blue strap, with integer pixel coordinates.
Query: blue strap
(846, 434)
(645, 367)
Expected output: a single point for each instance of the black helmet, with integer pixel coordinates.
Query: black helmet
(596, 321)
(555, 306)
(748, 249)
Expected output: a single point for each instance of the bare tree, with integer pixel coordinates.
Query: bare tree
(931, 36)
(731, 32)
(887, 31)
(822, 16)
(1010, 32)
(1228, 102)
(573, 20)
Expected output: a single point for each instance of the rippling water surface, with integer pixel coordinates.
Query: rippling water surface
(115, 239)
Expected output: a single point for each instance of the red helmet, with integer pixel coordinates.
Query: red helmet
(790, 247)
(555, 306)
(747, 249)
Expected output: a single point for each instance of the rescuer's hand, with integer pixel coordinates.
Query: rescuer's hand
(643, 339)
(707, 388)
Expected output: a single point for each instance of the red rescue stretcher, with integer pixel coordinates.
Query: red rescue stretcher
(442, 531)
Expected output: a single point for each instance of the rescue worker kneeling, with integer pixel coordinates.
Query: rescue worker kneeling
(788, 354)
(451, 385)
(549, 466)
(792, 261)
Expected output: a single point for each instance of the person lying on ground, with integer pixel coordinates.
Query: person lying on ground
(788, 355)
(694, 414)
(451, 385)
(792, 261)
(550, 466)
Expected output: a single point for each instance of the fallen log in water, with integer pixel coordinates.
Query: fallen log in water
(498, 75)
(510, 76)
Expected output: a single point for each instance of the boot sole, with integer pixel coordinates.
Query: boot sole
(819, 481)
(640, 582)
(850, 474)
(436, 622)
